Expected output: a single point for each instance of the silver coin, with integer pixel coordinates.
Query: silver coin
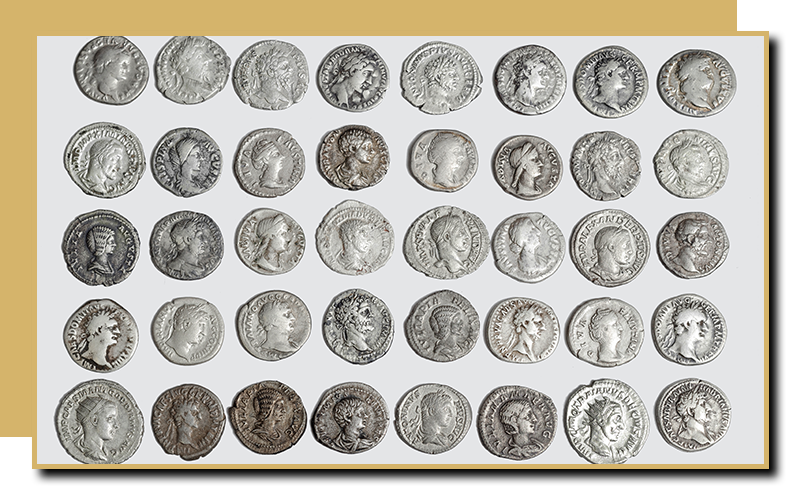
(101, 248)
(442, 326)
(528, 247)
(443, 160)
(611, 82)
(354, 239)
(692, 164)
(609, 247)
(440, 77)
(273, 325)
(350, 418)
(187, 162)
(101, 336)
(605, 165)
(269, 242)
(271, 74)
(191, 69)
(433, 418)
(111, 70)
(98, 422)
(353, 77)
(605, 332)
(522, 330)
(516, 422)
(268, 417)
(693, 245)
(697, 83)
(446, 243)
(186, 245)
(606, 422)
(689, 330)
(358, 327)
(188, 331)
(693, 414)
(353, 157)
(188, 421)
(530, 80)
(527, 167)
(269, 163)
(105, 159)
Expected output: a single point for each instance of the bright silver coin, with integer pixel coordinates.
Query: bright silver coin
(693, 414)
(697, 83)
(692, 164)
(271, 75)
(527, 167)
(442, 326)
(693, 245)
(273, 325)
(528, 247)
(358, 327)
(522, 330)
(269, 163)
(530, 80)
(433, 418)
(191, 69)
(443, 160)
(611, 82)
(268, 417)
(689, 330)
(606, 165)
(188, 331)
(188, 421)
(605, 332)
(111, 70)
(187, 162)
(353, 77)
(269, 242)
(350, 418)
(101, 336)
(353, 157)
(186, 245)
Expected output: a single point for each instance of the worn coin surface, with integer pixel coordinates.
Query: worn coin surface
(269, 242)
(693, 414)
(111, 70)
(693, 245)
(432, 418)
(522, 330)
(689, 330)
(605, 332)
(101, 336)
(530, 80)
(105, 159)
(606, 422)
(186, 245)
(611, 82)
(271, 75)
(443, 160)
(606, 165)
(269, 163)
(353, 157)
(273, 325)
(268, 417)
(692, 164)
(528, 167)
(697, 83)
(440, 77)
(353, 77)
(358, 327)
(528, 247)
(187, 162)
(442, 326)
(191, 69)
(188, 331)
(98, 422)
(350, 418)
(188, 421)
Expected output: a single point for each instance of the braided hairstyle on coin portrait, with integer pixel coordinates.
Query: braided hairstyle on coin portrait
(270, 410)
(101, 243)
(447, 324)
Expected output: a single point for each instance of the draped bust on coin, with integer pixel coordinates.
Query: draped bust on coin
(350, 418)
(273, 325)
(188, 421)
(693, 245)
(530, 80)
(353, 157)
(101, 336)
(269, 242)
(443, 160)
(186, 245)
(692, 164)
(188, 331)
(605, 332)
(611, 82)
(271, 75)
(358, 327)
(187, 162)
(433, 418)
(354, 239)
(522, 330)
(353, 77)
(693, 414)
(527, 167)
(269, 163)
(697, 83)
(528, 247)
(111, 70)
(442, 326)
(606, 165)
(191, 69)
(689, 330)
(268, 417)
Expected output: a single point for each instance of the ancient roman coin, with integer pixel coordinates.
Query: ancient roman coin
(528, 247)
(105, 159)
(446, 243)
(191, 69)
(353, 157)
(101, 248)
(271, 74)
(269, 242)
(516, 422)
(693, 414)
(350, 418)
(269, 163)
(689, 330)
(443, 160)
(268, 417)
(358, 327)
(186, 245)
(611, 82)
(188, 331)
(606, 422)
(354, 238)
(111, 70)
(530, 80)
(273, 325)
(605, 165)
(522, 330)
(693, 245)
(353, 77)
(609, 247)
(440, 77)
(442, 326)
(188, 421)
(605, 332)
(101, 336)
(433, 418)
(697, 83)
(692, 164)
(98, 422)
(187, 162)
(527, 167)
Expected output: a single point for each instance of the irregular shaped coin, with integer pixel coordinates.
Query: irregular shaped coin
(186, 245)
(188, 331)
(527, 167)
(433, 418)
(268, 417)
(271, 74)
(692, 164)
(605, 332)
(358, 327)
(269, 163)
(353, 157)
(443, 160)
(611, 82)
(442, 326)
(689, 330)
(693, 245)
(191, 69)
(187, 162)
(693, 414)
(188, 421)
(606, 165)
(353, 77)
(101, 336)
(273, 325)
(270, 242)
(528, 247)
(111, 70)
(354, 239)
(530, 80)
(697, 83)
(522, 330)
(350, 418)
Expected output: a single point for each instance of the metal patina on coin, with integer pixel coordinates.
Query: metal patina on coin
(440, 77)
(527, 167)
(105, 159)
(521, 330)
(101, 248)
(101, 336)
(268, 417)
(98, 422)
(693, 414)
(609, 247)
(530, 80)
(692, 164)
(273, 325)
(186, 245)
(693, 245)
(611, 82)
(606, 422)
(111, 70)
(188, 331)
(605, 332)
(689, 330)
(358, 327)
(353, 157)
(433, 418)
(270, 242)
(269, 163)
(271, 75)
(187, 162)
(191, 69)
(528, 247)
(697, 83)
(605, 165)
(443, 160)
(442, 326)
(188, 421)
(353, 77)
(516, 422)
(350, 418)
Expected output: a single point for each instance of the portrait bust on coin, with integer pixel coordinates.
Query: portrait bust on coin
(692, 164)
(442, 326)
(111, 70)
(693, 245)
(271, 75)
(188, 421)
(605, 332)
(191, 69)
(268, 417)
(353, 157)
(354, 239)
(689, 330)
(273, 325)
(187, 162)
(614, 247)
(186, 245)
(519, 424)
(353, 77)
(358, 327)
(611, 82)
(443, 160)
(693, 414)
(527, 167)
(101, 336)
(605, 427)
(188, 330)
(350, 418)
(521, 330)
(433, 418)
(697, 83)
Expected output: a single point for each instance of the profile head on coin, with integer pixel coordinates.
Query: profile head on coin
(527, 167)
(611, 82)
(268, 417)
(444, 160)
(689, 330)
(433, 418)
(188, 421)
(522, 330)
(188, 331)
(353, 157)
(191, 69)
(350, 418)
(270, 242)
(442, 326)
(693, 414)
(530, 80)
(528, 247)
(101, 336)
(358, 327)
(354, 239)
(271, 75)
(697, 83)
(273, 325)
(606, 165)
(269, 163)
(353, 77)
(692, 164)
(693, 245)
(186, 245)
(605, 332)
(111, 70)
(187, 162)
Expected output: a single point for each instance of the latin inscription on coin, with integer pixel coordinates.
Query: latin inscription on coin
(273, 325)
(271, 75)
(522, 330)
(191, 69)
(689, 330)
(187, 162)
(528, 247)
(530, 80)
(188, 331)
(432, 418)
(268, 417)
(186, 245)
(269, 163)
(350, 418)
(358, 327)
(611, 82)
(692, 164)
(697, 83)
(527, 167)
(693, 245)
(111, 70)
(188, 421)
(101, 336)
(444, 160)
(693, 414)
(353, 77)
(353, 157)
(270, 242)
(605, 332)
(442, 326)
(606, 165)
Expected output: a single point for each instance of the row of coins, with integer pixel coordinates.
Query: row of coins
(437, 77)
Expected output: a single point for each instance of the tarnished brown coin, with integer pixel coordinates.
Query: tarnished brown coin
(605, 332)
(353, 77)
(358, 327)
(111, 70)
(268, 417)
(522, 330)
(188, 421)
(188, 331)
(697, 83)
(191, 69)
(528, 167)
(443, 160)
(353, 157)
(271, 75)
(269, 163)
(528, 247)
(530, 80)
(269, 242)
(693, 245)
(354, 239)
(611, 82)
(693, 414)
(350, 418)
(101, 336)
(186, 245)
(692, 164)
(273, 325)
(187, 162)
(606, 165)
(433, 418)
(442, 326)
(689, 330)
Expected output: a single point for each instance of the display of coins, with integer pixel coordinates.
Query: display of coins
(191, 69)
(111, 70)
(693, 245)
(353, 77)
(350, 418)
(186, 245)
(443, 160)
(528, 247)
(354, 239)
(271, 75)
(521, 330)
(442, 326)
(689, 330)
(187, 162)
(188, 331)
(188, 421)
(692, 164)
(268, 417)
(358, 327)
(611, 82)
(527, 167)
(432, 418)
(697, 83)
(605, 332)
(530, 80)
(353, 157)
(269, 242)
(273, 325)
(605, 165)
(269, 163)
(693, 415)
(101, 336)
